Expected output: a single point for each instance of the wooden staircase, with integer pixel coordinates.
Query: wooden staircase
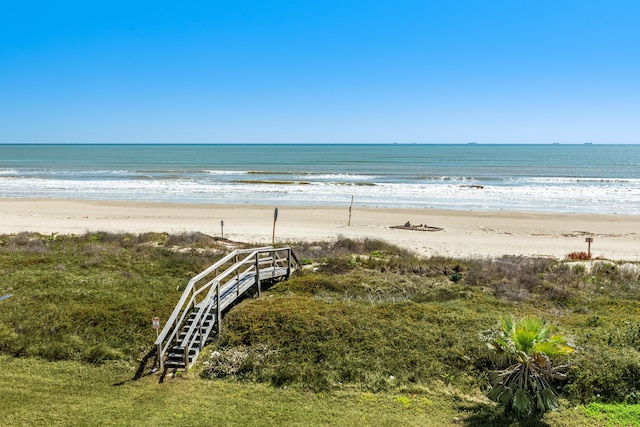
(199, 310)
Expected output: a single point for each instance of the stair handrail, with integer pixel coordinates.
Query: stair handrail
(175, 322)
(198, 320)
(171, 325)
(204, 308)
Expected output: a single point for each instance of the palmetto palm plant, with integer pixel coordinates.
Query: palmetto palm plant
(527, 385)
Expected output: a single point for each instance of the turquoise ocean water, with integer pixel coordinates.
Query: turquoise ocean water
(555, 178)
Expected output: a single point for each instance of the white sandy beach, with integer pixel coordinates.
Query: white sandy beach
(464, 233)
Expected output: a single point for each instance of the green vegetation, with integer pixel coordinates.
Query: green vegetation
(527, 386)
(365, 334)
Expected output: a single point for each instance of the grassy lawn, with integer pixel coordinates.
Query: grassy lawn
(74, 393)
(36, 392)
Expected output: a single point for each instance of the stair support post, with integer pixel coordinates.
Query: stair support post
(160, 358)
(186, 358)
(200, 329)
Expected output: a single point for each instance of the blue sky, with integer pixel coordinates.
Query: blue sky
(233, 71)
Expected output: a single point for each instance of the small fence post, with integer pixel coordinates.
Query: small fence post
(155, 322)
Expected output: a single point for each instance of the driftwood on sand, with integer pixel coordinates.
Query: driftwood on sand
(418, 227)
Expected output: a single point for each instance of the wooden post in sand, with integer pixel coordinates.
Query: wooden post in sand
(350, 207)
(275, 218)
(589, 240)
(222, 228)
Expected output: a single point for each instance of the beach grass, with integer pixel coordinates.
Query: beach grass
(365, 334)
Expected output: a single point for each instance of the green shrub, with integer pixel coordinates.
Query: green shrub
(57, 351)
(9, 340)
(607, 374)
(321, 343)
(101, 352)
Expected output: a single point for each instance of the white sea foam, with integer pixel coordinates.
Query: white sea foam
(568, 198)
(569, 180)
(223, 172)
(341, 177)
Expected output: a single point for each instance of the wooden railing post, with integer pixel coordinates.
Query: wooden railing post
(273, 262)
(237, 278)
(176, 324)
(258, 274)
(218, 308)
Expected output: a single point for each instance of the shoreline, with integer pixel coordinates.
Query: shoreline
(463, 234)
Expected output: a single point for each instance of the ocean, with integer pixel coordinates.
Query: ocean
(479, 177)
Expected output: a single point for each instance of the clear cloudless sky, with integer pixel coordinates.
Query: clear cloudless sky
(235, 71)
